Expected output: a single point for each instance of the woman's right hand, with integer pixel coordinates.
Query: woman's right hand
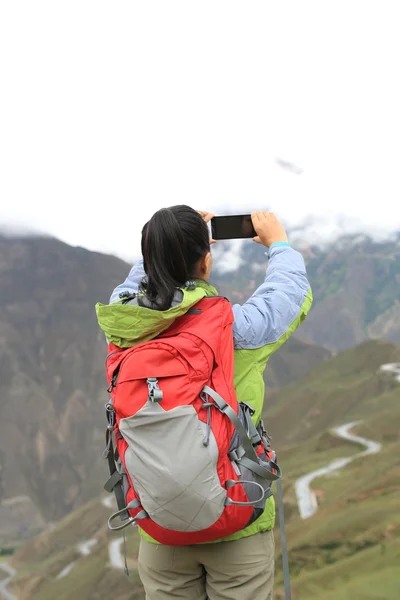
(207, 216)
(269, 230)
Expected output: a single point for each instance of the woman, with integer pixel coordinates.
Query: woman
(176, 248)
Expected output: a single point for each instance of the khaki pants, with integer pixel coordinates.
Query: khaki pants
(239, 570)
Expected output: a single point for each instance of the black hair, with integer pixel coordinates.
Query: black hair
(173, 241)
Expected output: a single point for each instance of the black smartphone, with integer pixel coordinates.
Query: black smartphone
(232, 227)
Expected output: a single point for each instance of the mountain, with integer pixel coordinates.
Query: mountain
(52, 381)
(355, 282)
(350, 549)
(292, 361)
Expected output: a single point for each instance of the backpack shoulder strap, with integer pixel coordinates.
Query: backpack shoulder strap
(249, 458)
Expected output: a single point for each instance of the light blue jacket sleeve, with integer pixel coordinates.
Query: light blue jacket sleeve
(132, 282)
(277, 305)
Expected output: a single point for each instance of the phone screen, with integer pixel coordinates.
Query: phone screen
(232, 227)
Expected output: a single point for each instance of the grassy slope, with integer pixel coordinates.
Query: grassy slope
(334, 392)
(349, 550)
(358, 519)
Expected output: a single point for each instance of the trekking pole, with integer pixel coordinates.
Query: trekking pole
(285, 561)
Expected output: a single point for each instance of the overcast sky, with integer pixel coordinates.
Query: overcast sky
(111, 110)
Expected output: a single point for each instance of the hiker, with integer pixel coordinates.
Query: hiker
(171, 284)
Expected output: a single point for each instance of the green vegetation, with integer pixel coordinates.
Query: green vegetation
(385, 288)
(330, 281)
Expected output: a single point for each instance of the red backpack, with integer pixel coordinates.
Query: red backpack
(186, 462)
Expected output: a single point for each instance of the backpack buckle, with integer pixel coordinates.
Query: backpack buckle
(127, 296)
(155, 394)
(248, 407)
(113, 382)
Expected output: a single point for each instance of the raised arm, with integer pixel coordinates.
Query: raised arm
(282, 302)
(278, 306)
(131, 283)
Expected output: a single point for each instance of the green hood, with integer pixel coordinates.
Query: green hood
(127, 325)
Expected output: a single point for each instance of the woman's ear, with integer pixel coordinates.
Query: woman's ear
(203, 266)
(207, 265)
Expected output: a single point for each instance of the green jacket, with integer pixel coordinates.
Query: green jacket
(261, 326)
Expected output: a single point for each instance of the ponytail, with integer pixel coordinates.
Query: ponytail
(172, 242)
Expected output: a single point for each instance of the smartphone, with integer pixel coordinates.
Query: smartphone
(232, 227)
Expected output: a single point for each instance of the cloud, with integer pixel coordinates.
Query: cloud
(113, 111)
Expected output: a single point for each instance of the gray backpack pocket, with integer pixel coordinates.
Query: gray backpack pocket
(173, 471)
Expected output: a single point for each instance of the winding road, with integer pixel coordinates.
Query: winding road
(392, 368)
(109, 501)
(84, 548)
(114, 551)
(10, 572)
(114, 548)
(306, 498)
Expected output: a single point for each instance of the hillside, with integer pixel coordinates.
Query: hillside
(52, 381)
(349, 550)
(332, 393)
(292, 361)
(343, 550)
(51, 373)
